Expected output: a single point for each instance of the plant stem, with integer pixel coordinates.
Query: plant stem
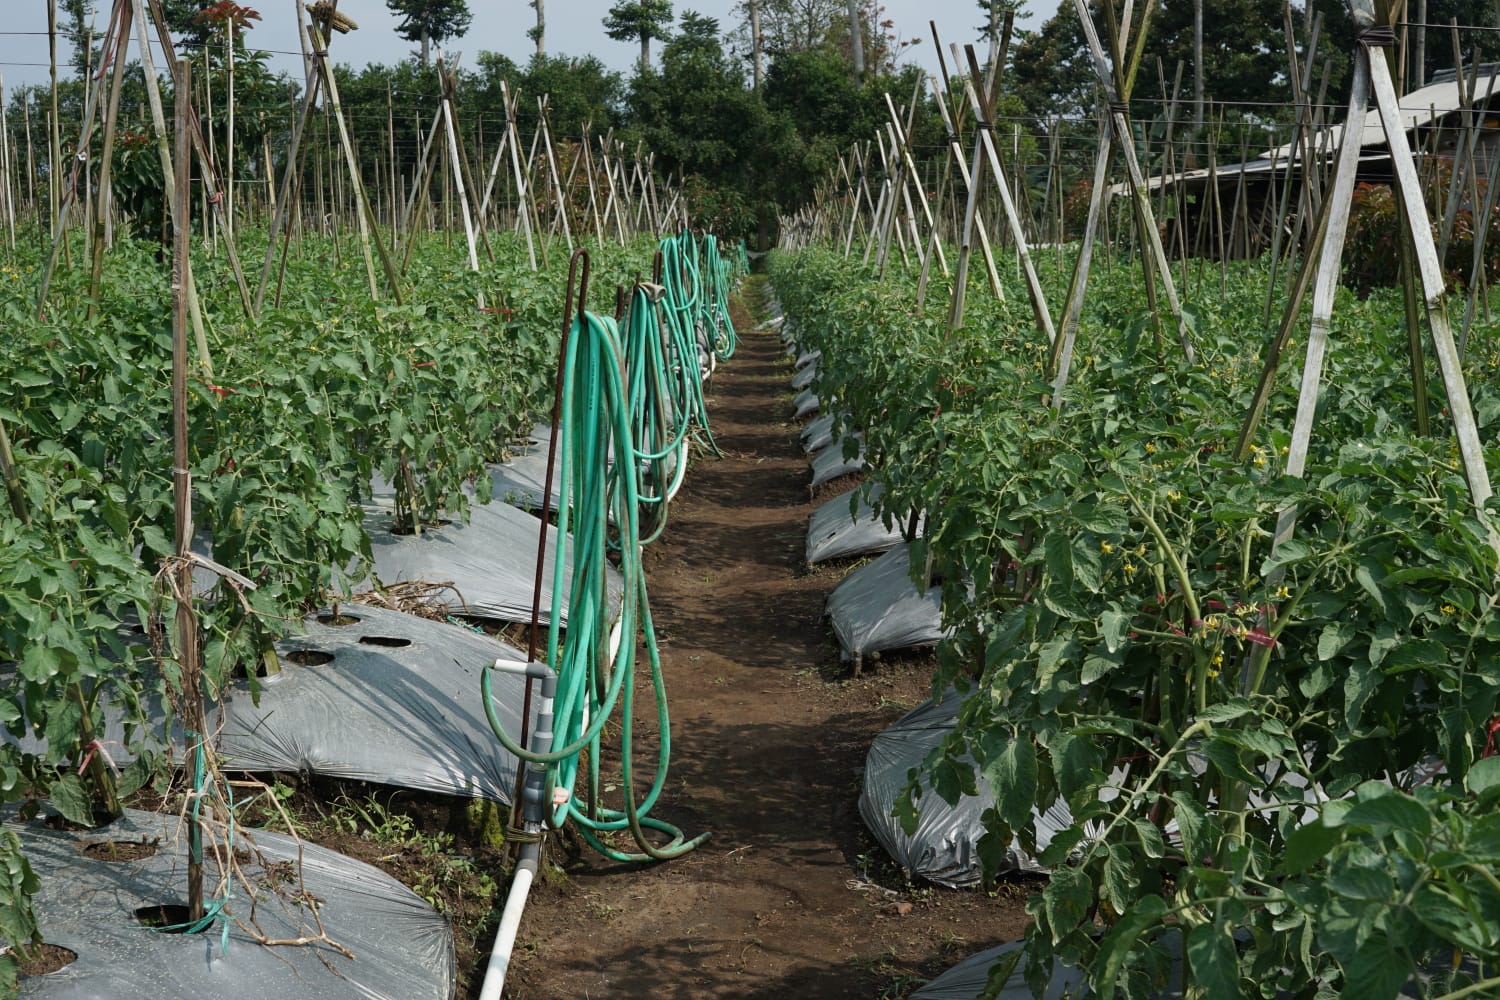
(105, 796)
(1473, 988)
(1200, 659)
(1201, 725)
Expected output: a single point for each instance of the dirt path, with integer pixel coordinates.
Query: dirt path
(769, 738)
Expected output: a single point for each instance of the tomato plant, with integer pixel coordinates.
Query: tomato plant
(1264, 748)
(307, 406)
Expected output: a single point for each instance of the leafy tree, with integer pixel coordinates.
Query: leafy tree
(1482, 46)
(75, 28)
(994, 12)
(1244, 54)
(429, 21)
(698, 115)
(1050, 67)
(642, 19)
(183, 23)
(581, 90)
(787, 26)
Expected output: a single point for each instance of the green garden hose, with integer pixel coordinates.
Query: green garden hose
(664, 371)
(595, 420)
(698, 283)
(666, 401)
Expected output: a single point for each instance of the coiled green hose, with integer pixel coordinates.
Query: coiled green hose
(595, 418)
(636, 398)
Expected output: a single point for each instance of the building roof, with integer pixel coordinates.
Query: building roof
(1419, 108)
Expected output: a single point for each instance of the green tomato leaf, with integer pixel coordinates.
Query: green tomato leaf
(1214, 961)
(1067, 898)
(1120, 878)
(71, 800)
(1376, 972)
(1117, 945)
(1309, 845)
(1334, 638)
(1226, 711)
(1392, 811)
(1012, 774)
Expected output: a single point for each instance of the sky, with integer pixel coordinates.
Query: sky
(574, 27)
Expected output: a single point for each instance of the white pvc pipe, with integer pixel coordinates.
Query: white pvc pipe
(510, 924)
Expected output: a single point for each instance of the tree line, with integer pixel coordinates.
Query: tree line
(752, 113)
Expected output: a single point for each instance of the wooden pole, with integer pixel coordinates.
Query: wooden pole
(363, 209)
(193, 721)
(106, 159)
(164, 152)
(6, 173)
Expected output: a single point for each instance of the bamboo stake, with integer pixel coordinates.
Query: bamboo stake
(6, 172)
(515, 159)
(182, 496)
(1434, 289)
(1062, 352)
(54, 138)
(195, 312)
(543, 106)
(1039, 308)
(446, 110)
(1145, 219)
(290, 182)
(904, 140)
(60, 206)
(106, 160)
(952, 121)
(420, 188)
(588, 173)
(229, 190)
(466, 176)
(363, 209)
(30, 162)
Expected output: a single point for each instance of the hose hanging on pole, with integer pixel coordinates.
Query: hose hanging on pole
(592, 676)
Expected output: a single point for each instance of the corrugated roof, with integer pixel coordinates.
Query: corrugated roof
(1418, 108)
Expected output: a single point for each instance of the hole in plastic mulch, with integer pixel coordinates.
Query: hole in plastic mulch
(383, 640)
(309, 657)
(119, 850)
(337, 620)
(168, 918)
(45, 958)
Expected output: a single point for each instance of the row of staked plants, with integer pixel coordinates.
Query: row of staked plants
(305, 407)
(1280, 768)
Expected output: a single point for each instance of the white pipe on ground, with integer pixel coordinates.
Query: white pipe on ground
(510, 924)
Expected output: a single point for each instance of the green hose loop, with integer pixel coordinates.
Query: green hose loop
(604, 400)
(632, 403)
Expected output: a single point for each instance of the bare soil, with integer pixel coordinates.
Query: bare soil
(791, 897)
(46, 958)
